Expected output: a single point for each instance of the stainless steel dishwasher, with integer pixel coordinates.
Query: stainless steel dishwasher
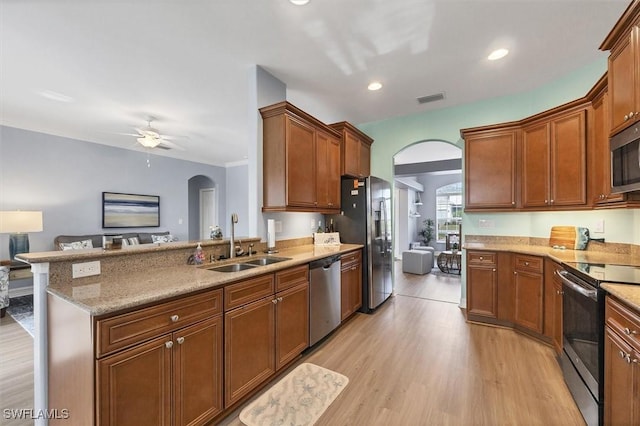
(324, 297)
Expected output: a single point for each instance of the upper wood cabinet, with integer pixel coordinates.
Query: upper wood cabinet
(554, 161)
(356, 150)
(301, 161)
(624, 69)
(491, 167)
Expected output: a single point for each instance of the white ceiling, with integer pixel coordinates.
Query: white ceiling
(187, 62)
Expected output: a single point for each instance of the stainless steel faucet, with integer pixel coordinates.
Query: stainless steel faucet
(232, 244)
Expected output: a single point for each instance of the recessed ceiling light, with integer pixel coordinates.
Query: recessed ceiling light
(498, 54)
(299, 2)
(374, 85)
(55, 96)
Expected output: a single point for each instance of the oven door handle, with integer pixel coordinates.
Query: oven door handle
(591, 294)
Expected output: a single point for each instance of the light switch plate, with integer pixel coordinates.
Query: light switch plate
(85, 269)
(599, 226)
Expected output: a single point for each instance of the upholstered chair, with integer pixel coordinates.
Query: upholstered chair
(4, 290)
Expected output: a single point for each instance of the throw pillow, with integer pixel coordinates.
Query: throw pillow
(77, 245)
(162, 238)
(133, 241)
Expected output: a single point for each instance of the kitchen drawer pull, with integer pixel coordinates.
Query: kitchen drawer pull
(168, 344)
(180, 340)
(174, 318)
(629, 332)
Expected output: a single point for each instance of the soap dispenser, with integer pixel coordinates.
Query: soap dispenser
(199, 255)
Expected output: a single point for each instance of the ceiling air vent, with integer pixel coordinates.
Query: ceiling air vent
(431, 98)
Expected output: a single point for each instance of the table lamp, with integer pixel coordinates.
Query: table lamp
(18, 224)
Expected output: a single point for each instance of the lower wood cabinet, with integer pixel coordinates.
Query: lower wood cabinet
(482, 284)
(621, 369)
(264, 335)
(174, 379)
(529, 289)
(351, 283)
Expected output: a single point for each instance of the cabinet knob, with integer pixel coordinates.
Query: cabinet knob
(513, 203)
(551, 201)
(622, 354)
(546, 201)
(174, 318)
(493, 270)
(515, 273)
(481, 258)
(526, 263)
(626, 117)
(180, 340)
(629, 332)
(168, 344)
(274, 301)
(279, 299)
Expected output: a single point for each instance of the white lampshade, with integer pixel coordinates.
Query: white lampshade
(12, 222)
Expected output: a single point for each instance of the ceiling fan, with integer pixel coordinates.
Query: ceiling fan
(150, 138)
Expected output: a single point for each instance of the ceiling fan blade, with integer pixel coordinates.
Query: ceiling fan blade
(172, 145)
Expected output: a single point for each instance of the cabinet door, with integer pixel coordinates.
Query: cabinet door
(198, 370)
(351, 158)
(292, 324)
(134, 385)
(301, 164)
(557, 315)
(528, 306)
(535, 165)
(568, 160)
(328, 171)
(490, 170)
(365, 159)
(622, 76)
(351, 289)
(619, 377)
(482, 291)
(249, 337)
(345, 293)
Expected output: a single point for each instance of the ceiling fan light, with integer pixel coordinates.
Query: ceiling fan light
(149, 142)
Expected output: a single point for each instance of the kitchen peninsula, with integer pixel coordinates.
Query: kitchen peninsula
(149, 308)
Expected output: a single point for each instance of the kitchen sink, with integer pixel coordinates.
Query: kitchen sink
(233, 267)
(261, 261)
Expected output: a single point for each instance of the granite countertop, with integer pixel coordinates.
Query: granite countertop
(102, 295)
(629, 294)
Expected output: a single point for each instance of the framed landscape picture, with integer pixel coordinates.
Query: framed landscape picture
(130, 210)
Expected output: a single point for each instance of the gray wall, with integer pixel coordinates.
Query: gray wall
(237, 201)
(65, 178)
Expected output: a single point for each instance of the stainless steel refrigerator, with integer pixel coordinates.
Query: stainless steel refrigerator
(366, 219)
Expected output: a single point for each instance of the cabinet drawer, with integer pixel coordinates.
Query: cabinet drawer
(481, 258)
(526, 263)
(349, 259)
(292, 277)
(134, 327)
(247, 291)
(624, 321)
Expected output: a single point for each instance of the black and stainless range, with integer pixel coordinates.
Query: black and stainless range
(582, 357)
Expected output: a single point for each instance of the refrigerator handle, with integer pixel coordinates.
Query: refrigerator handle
(383, 228)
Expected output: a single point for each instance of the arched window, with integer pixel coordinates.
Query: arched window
(448, 210)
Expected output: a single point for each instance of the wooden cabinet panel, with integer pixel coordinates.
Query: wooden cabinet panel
(301, 164)
(356, 150)
(535, 165)
(134, 385)
(568, 160)
(248, 291)
(292, 324)
(131, 328)
(482, 286)
(301, 161)
(529, 292)
(506, 290)
(292, 277)
(198, 372)
(621, 381)
(623, 82)
(553, 303)
(351, 284)
(490, 169)
(249, 335)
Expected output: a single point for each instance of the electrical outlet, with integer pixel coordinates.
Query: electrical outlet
(599, 226)
(486, 223)
(313, 225)
(85, 269)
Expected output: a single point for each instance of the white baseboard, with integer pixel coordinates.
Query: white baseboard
(20, 291)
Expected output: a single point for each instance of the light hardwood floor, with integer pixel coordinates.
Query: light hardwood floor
(16, 370)
(415, 361)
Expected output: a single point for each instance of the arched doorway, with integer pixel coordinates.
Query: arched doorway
(203, 206)
(420, 170)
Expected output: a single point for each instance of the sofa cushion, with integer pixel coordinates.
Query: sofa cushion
(146, 237)
(96, 240)
(77, 245)
(162, 238)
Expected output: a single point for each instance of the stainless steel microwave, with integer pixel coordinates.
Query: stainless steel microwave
(625, 160)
